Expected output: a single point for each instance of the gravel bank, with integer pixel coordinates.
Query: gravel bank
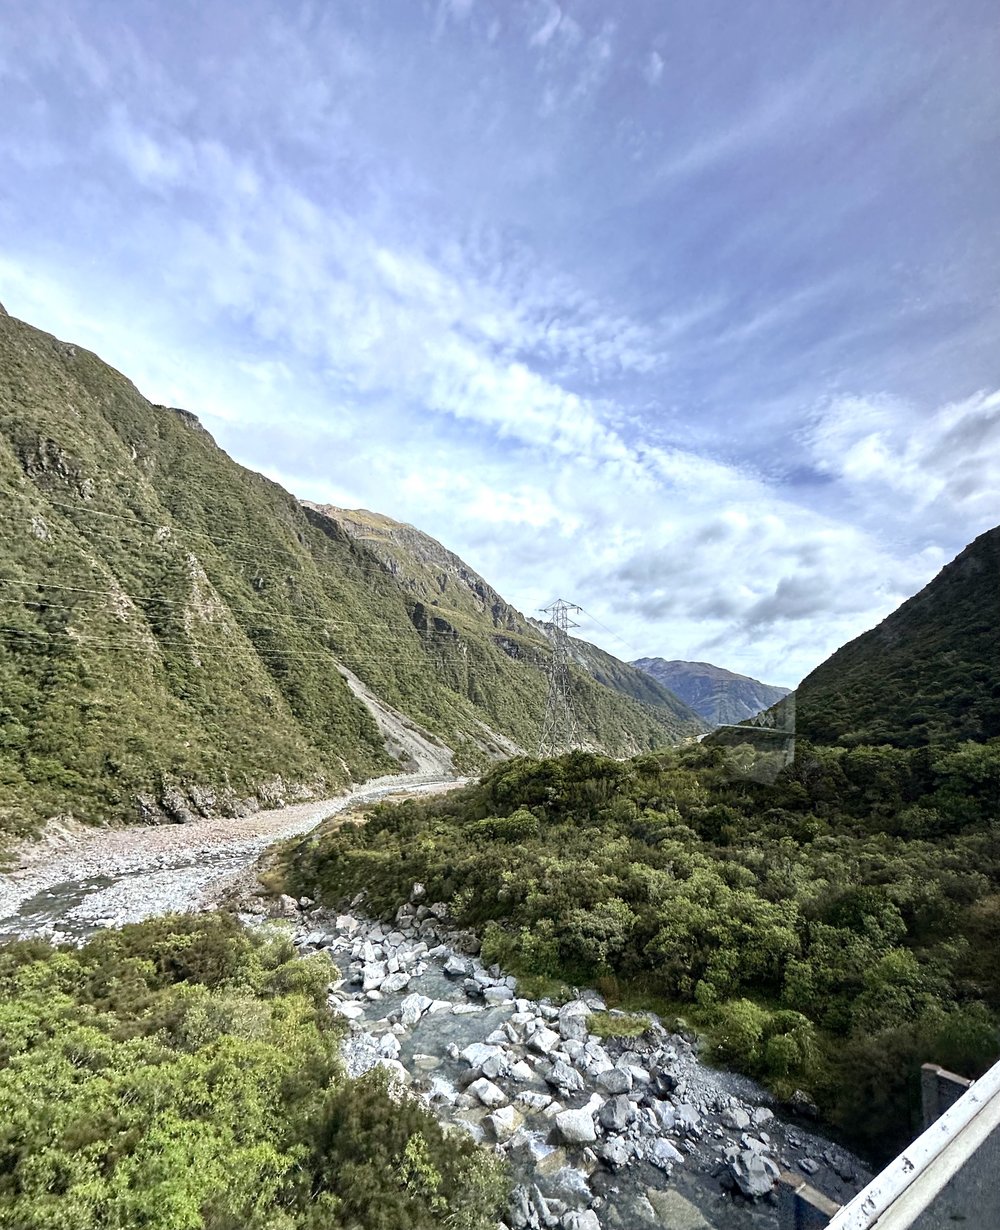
(107, 877)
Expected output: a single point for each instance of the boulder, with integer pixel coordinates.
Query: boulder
(585, 1219)
(413, 1007)
(479, 1053)
(616, 1114)
(457, 967)
(663, 1154)
(735, 1119)
(543, 1041)
(564, 1078)
(615, 1153)
(395, 983)
(487, 1093)
(750, 1174)
(614, 1080)
(761, 1117)
(498, 995)
(576, 1127)
(505, 1122)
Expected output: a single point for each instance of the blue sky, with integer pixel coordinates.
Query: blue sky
(688, 313)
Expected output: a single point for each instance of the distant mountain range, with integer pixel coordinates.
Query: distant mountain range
(181, 636)
(928, 675)
(715, 694)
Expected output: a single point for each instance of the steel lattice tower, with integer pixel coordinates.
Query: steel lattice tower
(558, 727)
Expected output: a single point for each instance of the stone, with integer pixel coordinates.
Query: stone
(585, 1219)
(663, 1154)
(735, 1119)
(615, 1153)
(417, 891)
(761, 1116)
(413, 1007)
(479, 1053)
(576, 1126)
(457, 967)
(808, 1165)
(802, 1104)
(562, 1077)
(532, 1101)
(389, 1046)
(349, 1009)
(498, 995)
(688, 1119)
(375, 975)
(573, 1028)
(395, 1070)
(543, 1041)
(614, 1080)
(750, 1174)
(487, 1093)
(617, 1113)
(504, 1122)
(395, 983)
(676, 1211)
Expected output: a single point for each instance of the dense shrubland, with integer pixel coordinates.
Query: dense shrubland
(829, 932)
(183, 1075)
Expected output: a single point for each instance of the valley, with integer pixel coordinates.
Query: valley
(267, 780)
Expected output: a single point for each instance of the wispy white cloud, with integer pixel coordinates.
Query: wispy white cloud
(392, 290)
(942, 469)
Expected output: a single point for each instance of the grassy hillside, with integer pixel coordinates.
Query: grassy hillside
(928, 675)
(451, 599)
(171, 623)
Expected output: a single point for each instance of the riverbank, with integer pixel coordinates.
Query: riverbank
(601, 1133)
(91, 878)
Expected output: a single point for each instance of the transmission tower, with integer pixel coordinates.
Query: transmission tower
(558, 728)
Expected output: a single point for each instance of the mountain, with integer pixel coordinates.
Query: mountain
(180, 635)
(454, 596)
(717, 695)
(929, 674)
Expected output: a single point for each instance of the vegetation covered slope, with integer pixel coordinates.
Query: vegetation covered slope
(171, 624)
(717, 695)
(440, 579)
(928, 674)
(454, 596)
(830, 931)
(184, 1073)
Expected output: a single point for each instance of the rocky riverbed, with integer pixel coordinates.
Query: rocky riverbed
(633, 1134)
(94, 878)
(610, 1134)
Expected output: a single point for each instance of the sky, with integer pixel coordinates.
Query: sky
(686, 313)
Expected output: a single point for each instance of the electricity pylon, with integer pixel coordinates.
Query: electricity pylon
(558, 727)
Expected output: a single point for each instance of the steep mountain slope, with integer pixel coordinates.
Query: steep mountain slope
(928, 674)
(716, 694)
(173, 627)
(455, 596)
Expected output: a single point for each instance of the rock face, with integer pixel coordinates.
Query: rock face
(594, 1130)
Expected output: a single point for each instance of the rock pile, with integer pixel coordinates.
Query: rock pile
(593, 1129)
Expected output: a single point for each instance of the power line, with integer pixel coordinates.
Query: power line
(621, 640)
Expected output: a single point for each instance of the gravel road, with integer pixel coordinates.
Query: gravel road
(107, 877)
